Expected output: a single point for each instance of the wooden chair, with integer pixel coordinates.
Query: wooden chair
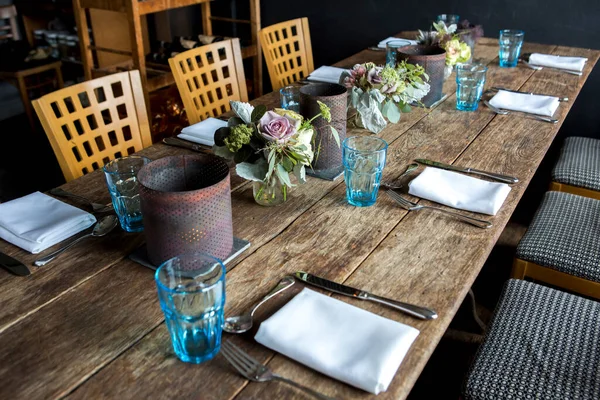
(288, 51)
(560, 247)
(207, 77)
(94, 122)
(28, 79)
(9, 29)
(577, 170)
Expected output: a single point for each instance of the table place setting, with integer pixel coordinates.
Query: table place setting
(36, 222)
(339, 340)
(202, 132)
(382, 45)
(326, 74)
(528, 105)
(566, 64)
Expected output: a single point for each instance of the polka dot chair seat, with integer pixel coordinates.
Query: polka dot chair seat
(542, 343)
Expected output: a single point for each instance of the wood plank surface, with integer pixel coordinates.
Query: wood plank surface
(90, 326)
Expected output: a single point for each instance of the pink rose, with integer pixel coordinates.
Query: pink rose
(277, 128)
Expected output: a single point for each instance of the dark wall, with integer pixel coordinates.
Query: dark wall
(342, 28)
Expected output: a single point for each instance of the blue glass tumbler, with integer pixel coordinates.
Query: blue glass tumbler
(470, 80)
(191, 290)
(121, 178)
(290, 98)
(364, 159)
(510, 42)
(391, 51)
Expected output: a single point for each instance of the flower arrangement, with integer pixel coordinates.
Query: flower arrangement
(384, 92)
(457, 51)
(269, 146)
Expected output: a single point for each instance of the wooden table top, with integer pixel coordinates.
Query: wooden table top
(89, 324)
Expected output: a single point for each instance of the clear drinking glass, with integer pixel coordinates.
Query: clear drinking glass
(510, 47)
(364, 160)
(191, 290)
(121, 178)
(448, 19)
(290, 98)
(470, 80)
(391, 51)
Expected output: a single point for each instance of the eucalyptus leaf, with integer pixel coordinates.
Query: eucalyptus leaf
(233, 121)
(335, 135)
(283, 175)
(300, 173)
(223, 151)
(370, 114)
(242, 154)
(258, 113)
(221, 134)
(405, 108)
(391, 112)
(252, 172)
(287, 164)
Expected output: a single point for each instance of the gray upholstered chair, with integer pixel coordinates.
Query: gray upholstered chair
(577, 170)
(542, 343)
(562, 244)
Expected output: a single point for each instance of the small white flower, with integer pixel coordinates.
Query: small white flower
(305, 137)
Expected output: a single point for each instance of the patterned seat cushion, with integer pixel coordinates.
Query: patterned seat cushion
(541, 344)
(565, 235)
(579, 163)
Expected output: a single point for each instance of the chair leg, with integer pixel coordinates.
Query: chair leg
(519, 269)
(26, 102)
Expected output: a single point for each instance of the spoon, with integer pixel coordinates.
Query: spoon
(243, 323)
(102, 227)
(97, 207)
(409, 169)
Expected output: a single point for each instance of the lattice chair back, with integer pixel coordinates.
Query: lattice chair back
(9, 29)
(208, 77)
(94, 122)
(288, 51)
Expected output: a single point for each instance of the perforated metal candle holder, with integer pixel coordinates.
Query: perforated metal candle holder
(186, 206)
(328, 155)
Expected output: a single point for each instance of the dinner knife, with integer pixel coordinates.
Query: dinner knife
(13, 265)
(499, 177)
(535, 94)
(173, 141)
(415, 311)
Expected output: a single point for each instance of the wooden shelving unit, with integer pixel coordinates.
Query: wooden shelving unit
(155, 76)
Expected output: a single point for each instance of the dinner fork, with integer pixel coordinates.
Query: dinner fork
(252, 370)
(409, 205)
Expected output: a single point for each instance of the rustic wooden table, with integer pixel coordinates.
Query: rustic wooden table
(89, 324)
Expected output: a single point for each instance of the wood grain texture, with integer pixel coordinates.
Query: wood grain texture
(380, 248)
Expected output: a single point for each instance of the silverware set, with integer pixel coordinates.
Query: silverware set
(539, 67)
(409, 205)
(254, 371)
(96, 207)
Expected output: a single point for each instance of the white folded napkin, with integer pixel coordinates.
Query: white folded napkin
(326, 74)
(459, 191)
(38, 221)
(203, 132)
(548, 60)
(339, 340)
(529, 103)
(382, 44)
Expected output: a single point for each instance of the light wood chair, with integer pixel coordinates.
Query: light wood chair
(288, 51)
(9, 29)
(207, 77)
(31, 78)
(94, 122)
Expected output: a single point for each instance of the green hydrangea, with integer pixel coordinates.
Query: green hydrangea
(239, 136)
(325, 111)
(390, 75)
